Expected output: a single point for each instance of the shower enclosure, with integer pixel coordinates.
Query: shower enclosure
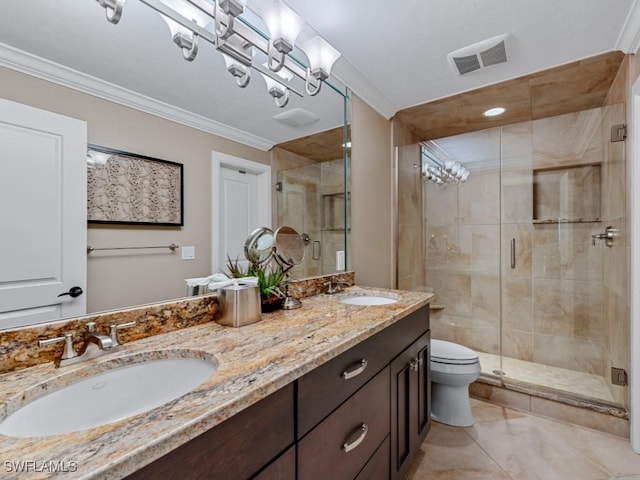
(313, 199)
(520, 257)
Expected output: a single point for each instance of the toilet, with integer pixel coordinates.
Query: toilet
(453, 368)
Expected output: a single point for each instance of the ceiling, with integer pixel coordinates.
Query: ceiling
(569, 88)
(393, 55)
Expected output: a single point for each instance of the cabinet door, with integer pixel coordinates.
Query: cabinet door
(422, 394)
(410, 404)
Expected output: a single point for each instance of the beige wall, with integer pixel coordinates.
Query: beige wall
(121, 279)
(371, 205)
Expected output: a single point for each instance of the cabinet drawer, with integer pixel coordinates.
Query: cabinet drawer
(325, 388)
(284, 468)
(322, 390)
(340, 446)
(377, 468)
(234, 450)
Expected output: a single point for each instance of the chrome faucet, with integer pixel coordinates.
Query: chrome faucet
(335, 285)
(93, 339)
(95, 344)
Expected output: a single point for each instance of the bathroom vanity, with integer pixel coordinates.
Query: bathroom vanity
(339, 417)
(330, 390)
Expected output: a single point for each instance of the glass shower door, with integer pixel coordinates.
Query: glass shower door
(560, 179)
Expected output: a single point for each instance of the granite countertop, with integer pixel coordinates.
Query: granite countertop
(253, 362)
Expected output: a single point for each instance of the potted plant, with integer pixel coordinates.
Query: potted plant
(269, 282)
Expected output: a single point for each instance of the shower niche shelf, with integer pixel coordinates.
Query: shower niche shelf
(333, 209)
(568, 194)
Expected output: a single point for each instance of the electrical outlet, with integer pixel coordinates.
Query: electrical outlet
(340, 260)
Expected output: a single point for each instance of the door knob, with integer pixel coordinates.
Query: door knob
(73, 292)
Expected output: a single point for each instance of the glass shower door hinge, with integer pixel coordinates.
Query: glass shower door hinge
(618, 132)
(618, 376)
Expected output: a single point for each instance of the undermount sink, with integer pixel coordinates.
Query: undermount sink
(369, 299)
(108, 397)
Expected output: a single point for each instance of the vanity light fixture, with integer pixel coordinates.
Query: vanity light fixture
(113, 9)
(278, 90)
(321, 57)
(284, 27)
(218, 23)
(438, 167)
(182, 36)
(95, 158)
(494, 112)
(240, 72)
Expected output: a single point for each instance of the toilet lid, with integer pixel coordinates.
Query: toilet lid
(449, 352)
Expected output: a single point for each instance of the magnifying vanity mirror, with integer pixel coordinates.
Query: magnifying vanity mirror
(289, 251)
(258, 248)
(289, 247)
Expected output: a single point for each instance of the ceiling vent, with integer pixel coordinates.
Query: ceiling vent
(296, 117)
(480, 55)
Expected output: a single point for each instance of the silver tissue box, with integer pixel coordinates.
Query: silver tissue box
(239, 305)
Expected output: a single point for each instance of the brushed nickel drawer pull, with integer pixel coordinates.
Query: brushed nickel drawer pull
(356, 371)
(347, 447)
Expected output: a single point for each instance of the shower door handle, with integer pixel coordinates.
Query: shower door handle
(513, 253)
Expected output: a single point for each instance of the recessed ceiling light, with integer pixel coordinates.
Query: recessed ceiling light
(495, 111)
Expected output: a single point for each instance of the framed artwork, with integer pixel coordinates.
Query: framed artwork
(126, 188)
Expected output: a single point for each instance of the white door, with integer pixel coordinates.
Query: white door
(241, 203)
(239, 211)
(43, 204)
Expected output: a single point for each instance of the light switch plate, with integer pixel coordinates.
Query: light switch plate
(340, 260)
(188, 253)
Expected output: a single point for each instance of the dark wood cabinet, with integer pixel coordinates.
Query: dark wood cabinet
(322, 390)
(360, 416)
(236, 449)
(410, 403)
(377, 468)
(340, 446)
(283, 468)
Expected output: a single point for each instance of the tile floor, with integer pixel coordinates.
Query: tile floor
(507, 444)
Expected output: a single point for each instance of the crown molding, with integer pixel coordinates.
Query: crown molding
(39, 67)
(629, 39)
(346, 73)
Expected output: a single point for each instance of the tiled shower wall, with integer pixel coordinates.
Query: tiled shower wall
(558, 303)
(311, 200)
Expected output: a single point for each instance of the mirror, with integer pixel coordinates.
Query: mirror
(153, 77)
(258, 248)
(289, 247)
(289, 250)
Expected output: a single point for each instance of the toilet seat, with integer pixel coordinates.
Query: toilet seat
(452, 353)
